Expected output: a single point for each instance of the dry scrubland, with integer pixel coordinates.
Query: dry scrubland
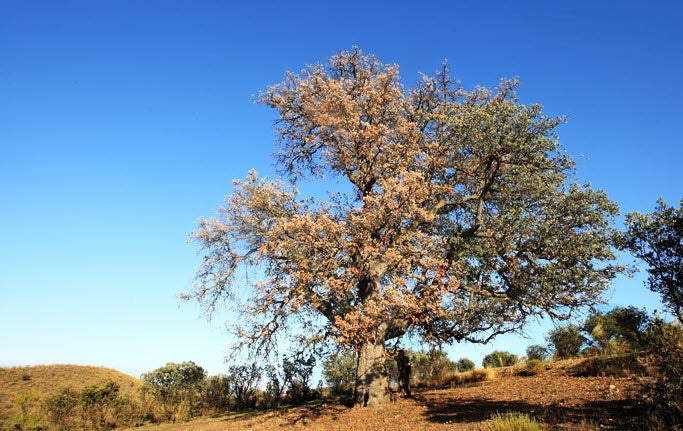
(39, 381)
(562, 398)
(566, 396)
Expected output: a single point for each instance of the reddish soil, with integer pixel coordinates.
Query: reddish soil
(557, 398)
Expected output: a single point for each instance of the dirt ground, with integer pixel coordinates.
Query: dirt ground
(557, 398)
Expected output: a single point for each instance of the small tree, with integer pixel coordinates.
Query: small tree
(456, 218)
(177, 386)
(298, 372)
(60, 408)
(665, 343)
(244, 384)
(96, 404)
(657, 239)
(566, 341)
(498, 359)
(215, 393)
(537, 352)
(625, 325)
(429, 367)
(465, 364)
(339, 371)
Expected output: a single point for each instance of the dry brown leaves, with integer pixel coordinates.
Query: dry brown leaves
(556, 398)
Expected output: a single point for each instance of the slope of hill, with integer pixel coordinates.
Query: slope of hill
(42, 380)
(48, 378)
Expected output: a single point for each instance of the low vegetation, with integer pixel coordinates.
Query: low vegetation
(623, 354)
(512, 422)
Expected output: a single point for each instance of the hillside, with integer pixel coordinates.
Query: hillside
(42, 380)
(561, 398)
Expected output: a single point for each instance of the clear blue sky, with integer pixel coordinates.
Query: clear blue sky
(121, 122)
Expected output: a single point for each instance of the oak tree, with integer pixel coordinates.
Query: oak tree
(452, 216)
(657, 239)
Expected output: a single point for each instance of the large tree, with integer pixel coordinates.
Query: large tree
(657, 239)
(453, 218)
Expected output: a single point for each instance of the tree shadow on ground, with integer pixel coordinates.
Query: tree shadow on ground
(608, 414)
(302, 415)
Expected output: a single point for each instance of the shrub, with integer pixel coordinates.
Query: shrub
(430, 368)
(215, 394)
(339, 371)
(28, 403)
(566, 341)
(60, 408)
(534, 367)
(620, 330)
(465, 364)
(244, 382)
(512, 422)
(298, 372)
(497, 359)
(177, 387)
(468, 377)
(537, 352)
(665, 342)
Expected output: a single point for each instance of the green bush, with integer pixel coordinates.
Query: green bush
(665, 343)
(618, 331)
(98, 404)
(299, 371)
(244, 383)
(431, 367)
(339, 371)
(177, 389)
(465, 364)
(60, 408)
(215, 394)
(497, 359)
(566, 341)
(537, 352)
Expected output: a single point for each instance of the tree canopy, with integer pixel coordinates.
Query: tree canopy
(452, 215)
(657, 239)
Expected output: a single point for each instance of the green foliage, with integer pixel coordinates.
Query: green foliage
(244, 384)
(276, 386)
(177, 387)
(27, 403)
(436, 184)
(566, 341)
(298, 372)
(657, 239)
(339, 371)
(621, 328)
(430, 367)
(215, 394)
(497, 359)
(665, 343)
(173, 377)
(537, 352)
(512, 422)
(465, 364)
(60, 408)
(97, 402)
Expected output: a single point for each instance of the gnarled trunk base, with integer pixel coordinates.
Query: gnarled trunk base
(372, 385)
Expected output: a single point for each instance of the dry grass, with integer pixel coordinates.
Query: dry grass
(468, 377)
(557, 399)
(40, 381)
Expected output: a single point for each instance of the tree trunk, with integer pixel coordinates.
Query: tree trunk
(372, 385)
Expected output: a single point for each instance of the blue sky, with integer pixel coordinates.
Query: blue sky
(122, 122)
